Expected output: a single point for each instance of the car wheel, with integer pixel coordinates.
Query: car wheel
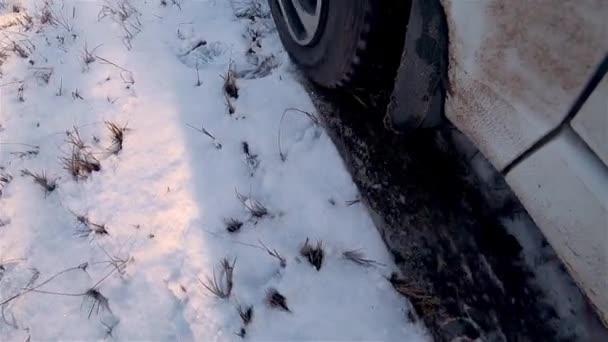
(340, 43)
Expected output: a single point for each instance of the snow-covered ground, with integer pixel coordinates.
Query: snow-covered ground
(124, 238)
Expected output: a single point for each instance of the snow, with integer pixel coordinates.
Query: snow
(165, 196)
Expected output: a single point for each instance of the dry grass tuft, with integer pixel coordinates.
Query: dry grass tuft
(314, 255)
(118, 135)
(275, 254)
(80, 162)
(5, 179)
(352, 202)
(118, 263)
(91, 298)
(44, 74)
(3, 56)
(18, 43)
(96, 301)
(256, 209)
(177, 3)
(125, 15)
(13, 321)
(41, 179)
(276, 300)
(229, 105)
(109, 327)
(88, 56)
(358, 257)
(312, 118)
(221, 287)
(252, 159)
(233, 225)
(199, 43)
(198, 77)
(80, 165)
(250, 9)
(125, 74)
(119, 10)
(60, 88)
(48, 15)
(76, 95)
(19, 50)
(246, 314)
(75, 139)
(230, 87)
(35, 288)
(422, 301)
(45, 15)
(242, 333)
(34, 151)
(264, 67)
(20, 92)
(87, 228)
(27, 23)
(216, 143)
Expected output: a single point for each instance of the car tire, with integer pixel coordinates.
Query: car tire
(355, 43)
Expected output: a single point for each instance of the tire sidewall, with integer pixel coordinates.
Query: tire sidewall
(330, 57)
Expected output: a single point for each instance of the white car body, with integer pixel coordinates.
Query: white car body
(516, 68)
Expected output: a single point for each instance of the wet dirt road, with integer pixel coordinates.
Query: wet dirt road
(452, 232)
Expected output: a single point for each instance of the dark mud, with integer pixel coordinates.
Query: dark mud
(465, 274)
